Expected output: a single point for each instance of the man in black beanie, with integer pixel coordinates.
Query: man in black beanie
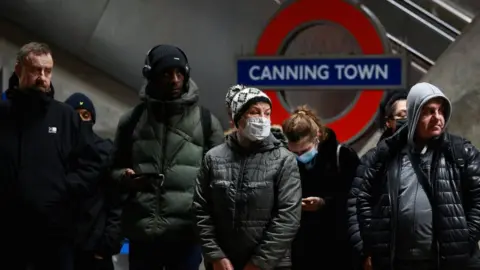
(98, 225)
(167, 72)
(158, 149)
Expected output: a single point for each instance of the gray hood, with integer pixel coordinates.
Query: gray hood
(419, 95)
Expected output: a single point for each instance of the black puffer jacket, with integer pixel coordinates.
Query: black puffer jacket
(353, 227)
(456, 223)
(248, 203)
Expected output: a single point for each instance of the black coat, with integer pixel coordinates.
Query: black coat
(456, 220)
(323, 234)
(47, 165)
(99, 229)
(354, 235)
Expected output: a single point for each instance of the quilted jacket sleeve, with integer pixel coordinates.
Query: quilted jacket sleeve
(121, 156)
(472, 171)
(353, 225)
(217, 137)
(202, 203)
(366, 173)
(283, 228)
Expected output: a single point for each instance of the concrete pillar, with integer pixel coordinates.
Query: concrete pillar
(457, 73)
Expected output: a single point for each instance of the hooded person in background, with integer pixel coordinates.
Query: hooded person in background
(48, 167)
(231, 93)
(98, 236)
(419, 203)
(391, 116)
(158, 149)
(392, 112)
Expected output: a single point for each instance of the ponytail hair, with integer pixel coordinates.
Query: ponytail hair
(304, 124)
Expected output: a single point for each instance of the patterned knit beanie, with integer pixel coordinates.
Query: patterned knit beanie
(244, 99)
(232, 91)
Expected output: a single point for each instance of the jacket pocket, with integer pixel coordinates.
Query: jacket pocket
(221, 192)
(260, 196)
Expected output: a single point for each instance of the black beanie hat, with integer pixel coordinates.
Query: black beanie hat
(81, 101)
(166, 56)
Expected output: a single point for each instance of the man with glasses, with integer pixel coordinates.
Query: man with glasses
(98, 226)
(392, 113)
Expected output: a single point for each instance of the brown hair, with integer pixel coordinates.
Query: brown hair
(303, 123)
(32, 47)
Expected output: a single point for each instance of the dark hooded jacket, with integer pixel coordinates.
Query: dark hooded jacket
(48, 166)
(98, 224)
(322, 234)
(248, 203)
(165, 138)
(457, 230)
(421, 206)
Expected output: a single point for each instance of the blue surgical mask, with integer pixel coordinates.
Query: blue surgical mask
(308, 156)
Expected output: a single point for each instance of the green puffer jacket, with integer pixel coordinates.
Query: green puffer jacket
(166, 139)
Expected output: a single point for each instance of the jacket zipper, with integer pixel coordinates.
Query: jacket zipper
(163, 146)
(20, 147)
(238, 201)
(433, 171)
(394, 217)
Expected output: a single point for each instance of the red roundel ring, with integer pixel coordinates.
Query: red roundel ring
(300, 12)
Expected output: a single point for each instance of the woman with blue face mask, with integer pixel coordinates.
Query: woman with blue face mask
(248, 194)
(326, 172)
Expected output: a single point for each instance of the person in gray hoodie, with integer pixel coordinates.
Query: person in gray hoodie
(419, 202)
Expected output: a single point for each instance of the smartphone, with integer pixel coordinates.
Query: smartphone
(142, 179)
(148, 175)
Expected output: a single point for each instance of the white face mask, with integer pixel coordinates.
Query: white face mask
(257, 128)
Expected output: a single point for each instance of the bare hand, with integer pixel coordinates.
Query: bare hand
(98, 257)
(222, 264)
(131, 181)
(312, 204)
(367, 264)
(251, 266)
(129, 172)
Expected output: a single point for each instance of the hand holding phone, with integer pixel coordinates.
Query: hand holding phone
(311, 204)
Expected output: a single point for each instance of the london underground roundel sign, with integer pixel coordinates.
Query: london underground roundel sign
(353, 123)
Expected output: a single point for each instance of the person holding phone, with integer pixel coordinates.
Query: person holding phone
(327, 169)
(158, 149)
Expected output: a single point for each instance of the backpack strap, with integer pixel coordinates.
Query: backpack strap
(458, 151)
(206, 120)
(134, 118)
(458, 154)
(339, 147)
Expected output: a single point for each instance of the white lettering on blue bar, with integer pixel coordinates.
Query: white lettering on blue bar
(318, 72)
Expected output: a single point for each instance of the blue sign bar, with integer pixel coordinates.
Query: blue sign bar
(345, 72)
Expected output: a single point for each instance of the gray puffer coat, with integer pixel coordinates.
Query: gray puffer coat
(248, 203)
